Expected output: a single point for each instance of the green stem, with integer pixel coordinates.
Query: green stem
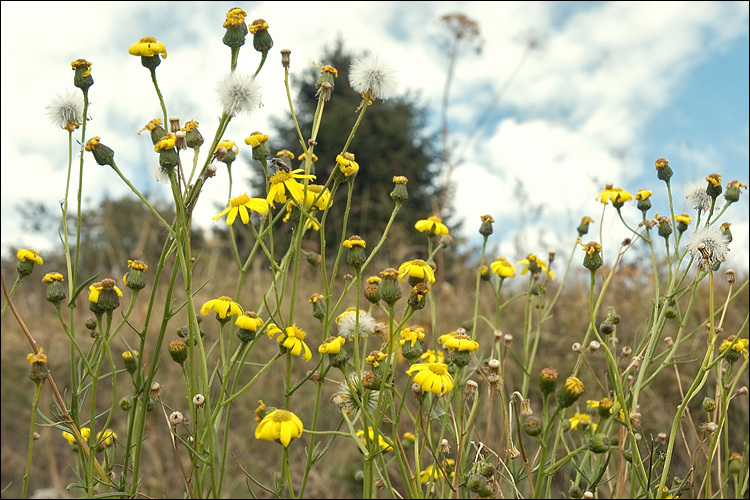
(34, 405)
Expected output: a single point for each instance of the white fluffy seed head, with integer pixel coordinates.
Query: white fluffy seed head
(369, 73)
(65, 108)
(696, 195)
(708, 246)
(239, 93)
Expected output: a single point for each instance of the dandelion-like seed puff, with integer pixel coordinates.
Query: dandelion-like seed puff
(708, 245)
(370, 74)
(239, 93)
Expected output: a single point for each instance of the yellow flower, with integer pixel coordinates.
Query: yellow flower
(643, 194)
(535, 265)
(279, 425)
(332, 345)
(166, 142)
(303, 157)
(25, 254)
(242, 205)
(374, 358)
(580, 417)
(503, 268)
(223, 307)
(106, 438)
(684, 218)
(381, 441)
(256, 139)
(50, 277)
(354, 241)
(574, 386)
(456, 341)
(615, 195)
(740, 346)
(292, 338)
(148, 46)
(433, 377)
(39, 357)
(432, 356)
(411, 335)
(318, 195)
(85, 433)
(347, 165)
(433, 225)
(258, 25)
(248, 321)
(235, 17)
(434, 473)
(714, 179)
(96, 288)
(284, 182)
(416, 269)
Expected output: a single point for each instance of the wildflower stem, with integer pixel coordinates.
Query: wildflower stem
(34, 405)
(158, 93)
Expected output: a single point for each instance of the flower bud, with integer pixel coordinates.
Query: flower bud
(709, 404)
(356, 256)
(236, 28)
(262, 41)
(131, 360)
(126, 403)
(714, 185)
(607, 327)
(176, 418)
(390, 291)
(599, 443)
(583, 227)
(103, 155)
(663, 171)
(178, 351)
(38, 362)
(569, 393)
(532, 426)
(548, 381)
(82, 78)
(318, 305)
(135, 279)
(55, 292)
(486, 228)
(399, 193)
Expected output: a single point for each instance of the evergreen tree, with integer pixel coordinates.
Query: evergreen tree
(390, 141)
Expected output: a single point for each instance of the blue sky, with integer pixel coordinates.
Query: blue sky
(613, 87)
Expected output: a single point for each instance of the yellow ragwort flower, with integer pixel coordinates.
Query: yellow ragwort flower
(85, 433)
(50, 277)
(283, 183)
(416, 269)
(332, 345)
(25, 254)
(432, 377)
(381, 440)
(432, 356)
(432, 225)
(279, 425)
(347, 165)
(256, 139)
(293, 338)
(740, 346)
(96, 288)
(242, 205)
(576, 419)
(411, 335)
(148, 46)
(643, 194)
(503, 268)
(459, 342)
(615, 195)
(223, 307)
(248, 321)
(39, 357)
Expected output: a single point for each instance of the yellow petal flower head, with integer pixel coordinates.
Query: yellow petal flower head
(95, 290)
(432, 356)
(292, 338)
(235, 17)
(248, 321)
(148, 46)
(347, 165)
(39, 357)
(279, 425)
(616, 195)
(434, 473)
(85, 433)
(411, 335)
(432, 225)
(535, 265)
(458, 342)
(106, 438)
(52, 277)
(256, 139)
(371, 434)
(318, 196)
(243, 205)
(165, 143)
(684, 218)
(223, 307)
(82, 78)
(283, 183)
(332, 345)
(739, 346)
(503, 268)
(417, 269)
(643, 194)
(26, 254)
(579, 418)
(432, 377)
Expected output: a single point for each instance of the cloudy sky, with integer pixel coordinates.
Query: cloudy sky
(609, 88)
